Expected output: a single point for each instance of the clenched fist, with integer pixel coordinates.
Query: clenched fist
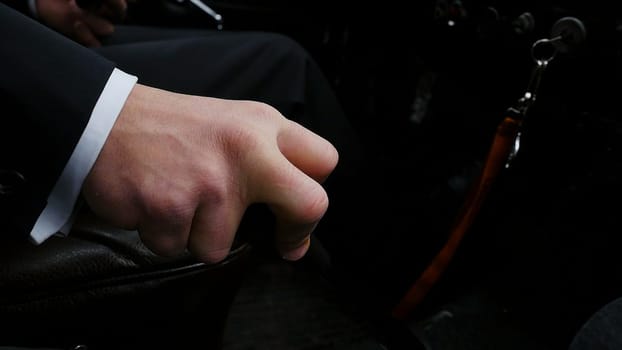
(183, 169)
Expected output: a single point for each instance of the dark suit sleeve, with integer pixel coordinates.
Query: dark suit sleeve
(48, 88)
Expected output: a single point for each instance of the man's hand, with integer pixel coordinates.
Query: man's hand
(83, 26)
(183, 169)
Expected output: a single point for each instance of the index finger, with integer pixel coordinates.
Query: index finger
(309, 152)
(298, 211)
(298, 202)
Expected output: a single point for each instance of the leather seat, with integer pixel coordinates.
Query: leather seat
(102, 288)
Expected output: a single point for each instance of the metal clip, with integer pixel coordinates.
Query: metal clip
(542, 51)
(216, 16)
(567, 33)
(514, 150)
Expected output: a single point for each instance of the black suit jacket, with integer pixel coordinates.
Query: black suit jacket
(48, 88)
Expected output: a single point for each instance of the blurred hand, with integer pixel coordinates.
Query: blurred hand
(183, 169)
(84, 26)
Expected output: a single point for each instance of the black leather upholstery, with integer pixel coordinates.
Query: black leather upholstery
(103, 288)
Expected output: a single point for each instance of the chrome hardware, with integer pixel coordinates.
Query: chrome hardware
(215, 15)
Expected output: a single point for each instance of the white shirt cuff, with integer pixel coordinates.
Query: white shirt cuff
(57, 214)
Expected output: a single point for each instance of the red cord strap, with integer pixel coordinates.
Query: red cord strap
(502, 146)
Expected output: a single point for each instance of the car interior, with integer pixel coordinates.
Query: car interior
(514, 241)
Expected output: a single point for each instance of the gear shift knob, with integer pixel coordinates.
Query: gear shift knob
(571, 32)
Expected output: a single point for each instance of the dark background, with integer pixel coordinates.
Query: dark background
(544, 252)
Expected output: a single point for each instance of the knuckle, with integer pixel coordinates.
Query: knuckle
(315, 206)
(229, 183)
(214, 189)
(169, 206)
(261, 107)
(264, 111)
